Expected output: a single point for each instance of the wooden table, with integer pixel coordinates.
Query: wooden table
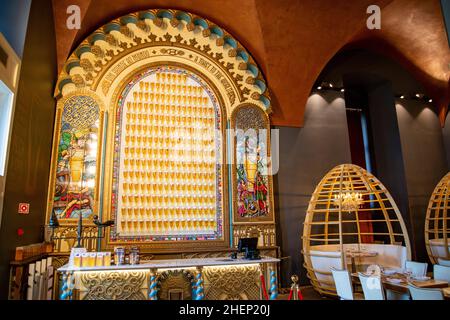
(403, 286)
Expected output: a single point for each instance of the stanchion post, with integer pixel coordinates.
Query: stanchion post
(294, 287)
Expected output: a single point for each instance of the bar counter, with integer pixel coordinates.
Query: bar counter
(197, 279)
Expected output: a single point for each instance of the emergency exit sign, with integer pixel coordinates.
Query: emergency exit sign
(24, 208)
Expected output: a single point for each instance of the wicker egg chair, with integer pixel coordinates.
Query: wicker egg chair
(371, 233)
(437, 229)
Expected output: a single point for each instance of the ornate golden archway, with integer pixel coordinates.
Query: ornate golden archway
(136, 71)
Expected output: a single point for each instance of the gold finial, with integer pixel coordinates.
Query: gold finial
(294, 278)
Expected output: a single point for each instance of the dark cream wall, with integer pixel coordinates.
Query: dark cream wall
(31, 139)
(306, 155)
(424, 160)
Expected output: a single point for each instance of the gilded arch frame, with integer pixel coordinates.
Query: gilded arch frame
(136, 39)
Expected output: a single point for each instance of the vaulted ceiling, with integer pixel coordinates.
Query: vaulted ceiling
(293, 40)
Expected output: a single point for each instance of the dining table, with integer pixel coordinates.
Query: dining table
(353, 255)
(398, 282)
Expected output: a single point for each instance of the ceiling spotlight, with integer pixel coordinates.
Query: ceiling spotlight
(420, 95)
(331, 85)
(402, 97)
(319, 88)
(430, 101)
(342, 90)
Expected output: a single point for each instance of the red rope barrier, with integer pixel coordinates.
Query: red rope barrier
(299, 293)
(300, 296)
(263, 285)
(290, 295)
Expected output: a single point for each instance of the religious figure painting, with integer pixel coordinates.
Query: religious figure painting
(76, 164)
(252, 183)
(252, 193)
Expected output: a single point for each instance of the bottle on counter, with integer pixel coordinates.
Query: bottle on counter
(77, 260)
(134, 255)
(99, 262)
(119, 256)
(92, 259)
(85, 259)
(107, 259)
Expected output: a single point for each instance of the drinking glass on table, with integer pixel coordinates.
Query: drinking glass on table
(408, 273)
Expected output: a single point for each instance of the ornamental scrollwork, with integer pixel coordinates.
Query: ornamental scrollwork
(114, 285)
(232, 283)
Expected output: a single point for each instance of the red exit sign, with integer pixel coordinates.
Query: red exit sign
(24, 208)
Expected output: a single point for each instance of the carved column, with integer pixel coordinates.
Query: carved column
(199, 289)
(273, 284)
(153, 288)
(67, 286)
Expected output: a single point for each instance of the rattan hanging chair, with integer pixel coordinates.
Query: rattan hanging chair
(437, 230)
(368, 228)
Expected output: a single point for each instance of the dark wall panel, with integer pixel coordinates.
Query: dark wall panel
(387, 149)
(31, 140)
(425, 161)
(306, 155)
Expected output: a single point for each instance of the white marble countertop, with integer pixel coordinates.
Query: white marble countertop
(174, 263)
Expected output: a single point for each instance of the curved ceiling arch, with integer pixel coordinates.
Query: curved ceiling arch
(436, 88)
(294, 41)
(412, 31)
